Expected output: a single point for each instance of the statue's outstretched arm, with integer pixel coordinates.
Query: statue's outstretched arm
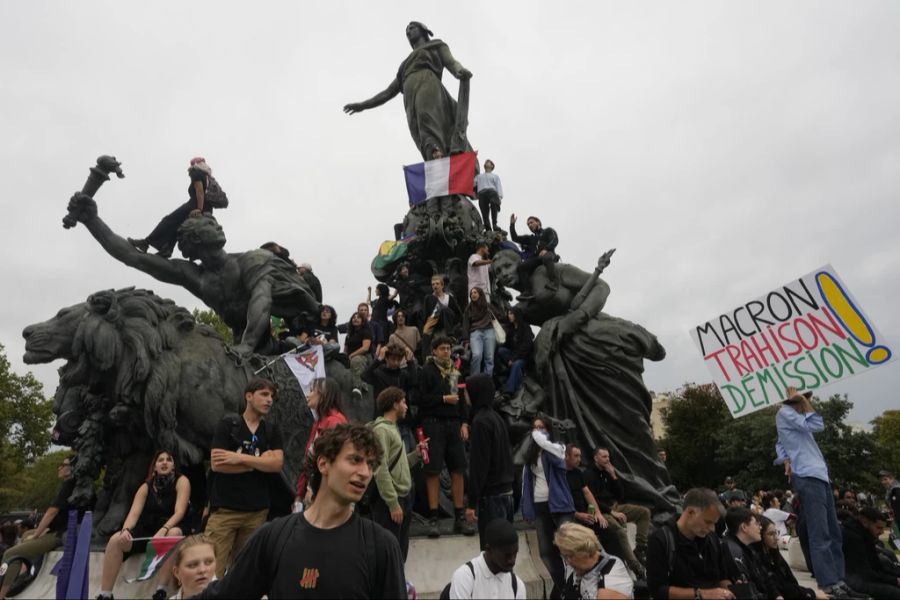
(377, 100)
(178, 272)
(259, 309)
(589, 301)
(453, 65)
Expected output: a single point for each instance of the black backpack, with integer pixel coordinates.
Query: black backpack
(214, 195)
(445, 593)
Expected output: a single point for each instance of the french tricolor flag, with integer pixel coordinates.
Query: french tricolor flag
(454, 174)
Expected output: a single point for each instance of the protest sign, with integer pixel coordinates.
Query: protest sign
(807, 334)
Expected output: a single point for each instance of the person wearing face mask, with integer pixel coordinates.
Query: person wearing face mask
(193, 566)
(159, 505)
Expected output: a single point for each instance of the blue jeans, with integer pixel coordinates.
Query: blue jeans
(483, 344)
(823, 529)
(491, 508)
(516, 370)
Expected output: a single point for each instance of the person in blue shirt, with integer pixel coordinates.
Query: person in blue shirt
(797, 421)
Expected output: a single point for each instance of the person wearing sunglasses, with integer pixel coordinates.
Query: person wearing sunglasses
(47, 535)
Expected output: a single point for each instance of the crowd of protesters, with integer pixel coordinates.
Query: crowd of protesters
(436, 364)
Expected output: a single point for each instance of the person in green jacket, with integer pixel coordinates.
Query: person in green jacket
(391, 506)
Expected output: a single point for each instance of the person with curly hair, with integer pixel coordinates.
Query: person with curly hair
(327, 551)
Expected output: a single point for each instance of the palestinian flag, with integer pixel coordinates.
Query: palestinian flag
(158, 549)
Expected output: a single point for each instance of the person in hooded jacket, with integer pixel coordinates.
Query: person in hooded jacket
(491, 473)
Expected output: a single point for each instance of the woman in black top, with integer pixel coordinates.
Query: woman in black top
(205, 194)
(159, 506)
(381, 305)
(358, 344)
(777, 569)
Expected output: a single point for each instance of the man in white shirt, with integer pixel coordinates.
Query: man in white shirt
(490, 574)
(478, 270)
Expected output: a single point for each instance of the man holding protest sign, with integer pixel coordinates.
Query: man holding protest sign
(804, 465)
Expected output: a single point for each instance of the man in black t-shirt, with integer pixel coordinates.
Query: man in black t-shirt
(245, 450)
(327, 551)
(583, 498)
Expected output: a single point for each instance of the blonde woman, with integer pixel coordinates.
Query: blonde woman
(590, 572)
(194, 565)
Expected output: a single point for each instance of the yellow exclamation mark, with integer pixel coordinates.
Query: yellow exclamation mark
(851, 318)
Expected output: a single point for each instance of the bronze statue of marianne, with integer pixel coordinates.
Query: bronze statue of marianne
(435, 122)
(245, 288)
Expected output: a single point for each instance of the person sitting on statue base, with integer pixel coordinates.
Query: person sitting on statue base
(541, 245)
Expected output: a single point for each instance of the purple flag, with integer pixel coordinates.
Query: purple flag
(63, 568)
(79, 576)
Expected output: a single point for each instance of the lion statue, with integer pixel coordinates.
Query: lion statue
(142, 374)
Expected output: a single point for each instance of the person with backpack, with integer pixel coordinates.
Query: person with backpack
(590, 572)
(205, 195)
(490, 574)
(684, 556)
(388, 501)
(245, 450)
(327, 551)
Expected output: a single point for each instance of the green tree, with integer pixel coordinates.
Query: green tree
(705, 444)
(38, 483)
(886, 429)
(746, 448)
(26, 416)
(693, 419)
(211, 318)
(852, 456)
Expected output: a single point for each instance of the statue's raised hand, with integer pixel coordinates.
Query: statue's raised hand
(604, 260)
(353, 107)
(82, 207)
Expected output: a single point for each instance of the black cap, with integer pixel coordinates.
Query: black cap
(806, 395)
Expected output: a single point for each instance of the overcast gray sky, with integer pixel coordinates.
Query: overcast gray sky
(722, 148)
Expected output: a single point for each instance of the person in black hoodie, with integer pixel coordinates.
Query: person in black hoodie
(443, 418)
(517, 350)
(776, 568)
(386, 370)
(865, 572)
(491, 472)
(744, 564)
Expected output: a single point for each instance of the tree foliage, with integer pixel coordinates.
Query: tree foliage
(887, 434)
(705, 444)
(211, 318)
(26, 416)
(37, 484)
